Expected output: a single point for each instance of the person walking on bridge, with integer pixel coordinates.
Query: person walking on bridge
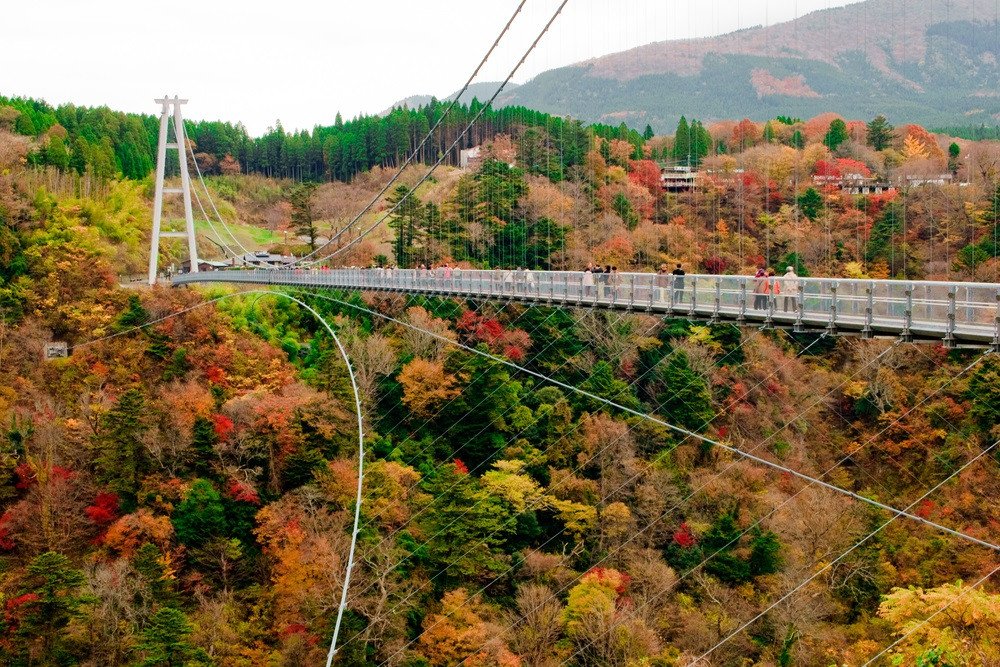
(773, 290)
(790, 287)
(678, 274)
(760, 290)
(599, 280)
(661, 281)
(587, 282)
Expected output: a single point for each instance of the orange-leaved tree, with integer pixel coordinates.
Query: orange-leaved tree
(426, 386)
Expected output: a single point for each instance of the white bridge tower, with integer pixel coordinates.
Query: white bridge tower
(185, 189)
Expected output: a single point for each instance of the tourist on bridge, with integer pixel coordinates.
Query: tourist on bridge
(773, 290)
(605, 280)
(599, 280)
(790, 287)
(760, 290)
(678, 274)
(588, 280)
(508, 281)
(661, 281)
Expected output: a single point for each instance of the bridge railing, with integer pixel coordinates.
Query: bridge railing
(920, 308)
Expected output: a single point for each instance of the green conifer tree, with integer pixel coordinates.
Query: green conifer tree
(811, 203)
(54, 583)
(880, 133)
(682, 142)
(201, 516)
(303, 216)
(685, 400)
(768, 134)
(164, 640)
(203, 441)
(836, 135)
(121, 456)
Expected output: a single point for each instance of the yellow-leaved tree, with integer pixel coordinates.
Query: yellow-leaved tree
(426, 387)
(966, 632)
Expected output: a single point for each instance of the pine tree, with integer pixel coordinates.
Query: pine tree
(302, 212)
(768, 134)
(121, 455)
(24, 125)
(686, 400)
(798, 141)
(954, 152)
(682, 142)
(135, 316)
(811, 203)
(880, 133)
(648, 133)
(468, 527)
(702, 142)
(51, 601)
(56, 154)
(406, 221)
(148, 564)
(836, 135)
(164, 640)
(623, 207)
(203, 446)
(201, 516)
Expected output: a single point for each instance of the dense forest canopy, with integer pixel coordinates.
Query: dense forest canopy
(183, 494)
(110, 142)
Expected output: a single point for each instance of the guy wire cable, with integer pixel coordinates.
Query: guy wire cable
(897, 514)
(789, 471)
(445, 154)
(788, 500)
(357, 403)
(416, 151)
(189, 150)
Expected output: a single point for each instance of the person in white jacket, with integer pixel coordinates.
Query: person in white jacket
(790, 288)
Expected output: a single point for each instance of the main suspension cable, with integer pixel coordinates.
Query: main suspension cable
(423, 142)
(451, 148)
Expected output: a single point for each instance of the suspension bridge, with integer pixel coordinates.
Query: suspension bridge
(953, 314)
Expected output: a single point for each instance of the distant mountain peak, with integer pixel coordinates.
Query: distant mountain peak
(481, 91)
(932, 62)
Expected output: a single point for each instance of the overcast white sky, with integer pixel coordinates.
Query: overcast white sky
(301, 61)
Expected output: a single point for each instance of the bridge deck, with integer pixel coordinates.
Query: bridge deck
(955, 314)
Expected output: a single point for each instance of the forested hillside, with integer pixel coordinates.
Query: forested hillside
(919, 61)
(183, 494)
(108, 142)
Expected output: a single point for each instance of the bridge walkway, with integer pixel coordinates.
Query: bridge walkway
(954, 314)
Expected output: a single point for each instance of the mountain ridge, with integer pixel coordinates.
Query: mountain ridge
(924, 61)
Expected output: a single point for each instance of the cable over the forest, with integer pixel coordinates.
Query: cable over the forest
(686, 432)
(455, 143)
(423, 142)
(357, 405)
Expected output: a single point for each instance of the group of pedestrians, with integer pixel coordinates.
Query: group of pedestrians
(518, 279)
(767, 286)
(664, 278)
(599, 280)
